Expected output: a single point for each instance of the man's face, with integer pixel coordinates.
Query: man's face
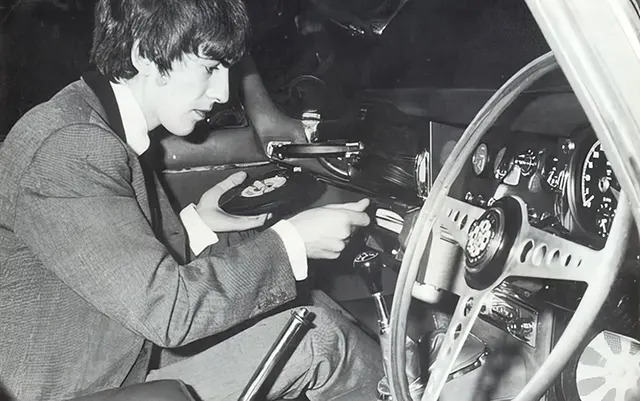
(185, 94)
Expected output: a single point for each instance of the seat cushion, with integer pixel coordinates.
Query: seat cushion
(161, 390)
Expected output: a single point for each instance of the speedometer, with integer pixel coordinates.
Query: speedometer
(596, 190)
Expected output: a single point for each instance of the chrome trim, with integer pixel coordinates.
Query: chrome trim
(422, 174)
(271, 145)
(218, 167)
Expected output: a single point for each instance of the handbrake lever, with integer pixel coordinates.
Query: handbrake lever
(280, 351)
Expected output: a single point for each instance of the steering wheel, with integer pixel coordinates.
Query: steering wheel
(498, 243)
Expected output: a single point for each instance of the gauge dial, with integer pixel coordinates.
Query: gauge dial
(554, 173)
(528, 162)
(503, 164)
(480, 159)
(598, 192)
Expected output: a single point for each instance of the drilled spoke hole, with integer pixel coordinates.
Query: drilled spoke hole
(468, 306)
(525, 251)
(567, 260)
(457, 216)
(463, 222)
(555, 257)
(539, 255)
(456, 333)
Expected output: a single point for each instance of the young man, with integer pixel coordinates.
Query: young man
(97, 271)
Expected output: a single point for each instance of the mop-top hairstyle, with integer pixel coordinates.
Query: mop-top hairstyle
(167, 30)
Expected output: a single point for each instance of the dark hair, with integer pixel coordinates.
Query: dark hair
(167, 30)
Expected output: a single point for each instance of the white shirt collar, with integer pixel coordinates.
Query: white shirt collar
(133, 121)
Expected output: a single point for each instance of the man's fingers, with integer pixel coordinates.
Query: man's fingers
(324, 254)
(360, 219)
(352, 217)
(231, 181)
(334, 246)
(225, 185)
(358, 206)
(242, 223)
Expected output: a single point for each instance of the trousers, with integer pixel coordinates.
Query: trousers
(334, 361)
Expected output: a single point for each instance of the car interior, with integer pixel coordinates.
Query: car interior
(387, 91)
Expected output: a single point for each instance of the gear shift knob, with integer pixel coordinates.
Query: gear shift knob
(369, 266)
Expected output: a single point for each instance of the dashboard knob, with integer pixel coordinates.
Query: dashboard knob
(469, 197)
(369, 266)
(521, 328)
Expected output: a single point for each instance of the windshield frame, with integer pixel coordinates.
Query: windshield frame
(597, 45)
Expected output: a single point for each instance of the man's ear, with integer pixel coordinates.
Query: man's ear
(144, 66)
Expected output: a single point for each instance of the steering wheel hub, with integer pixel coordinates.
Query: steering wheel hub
(483, 237)
(488, 242)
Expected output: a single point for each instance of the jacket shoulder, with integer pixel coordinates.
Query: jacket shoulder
(76, 103)
(68, 131)
(74, 111)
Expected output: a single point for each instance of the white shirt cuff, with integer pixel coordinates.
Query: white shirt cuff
(199, 234)
(295, 247)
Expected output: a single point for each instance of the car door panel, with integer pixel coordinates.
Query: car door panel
(194, 164)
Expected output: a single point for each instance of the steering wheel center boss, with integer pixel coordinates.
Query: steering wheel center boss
(490, 238)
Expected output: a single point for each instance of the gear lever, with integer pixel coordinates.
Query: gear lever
(369, 266)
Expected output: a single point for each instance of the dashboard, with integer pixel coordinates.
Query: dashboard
(566, 181)
(543, 151)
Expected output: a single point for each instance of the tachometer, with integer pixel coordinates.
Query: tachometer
(596, 190)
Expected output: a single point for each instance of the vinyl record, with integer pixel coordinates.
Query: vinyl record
(280, 192)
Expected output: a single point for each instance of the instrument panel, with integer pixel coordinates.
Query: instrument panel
(567, 181)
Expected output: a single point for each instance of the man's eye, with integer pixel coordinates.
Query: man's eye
(210, 70)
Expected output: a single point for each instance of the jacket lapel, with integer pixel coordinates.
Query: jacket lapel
(100, 85)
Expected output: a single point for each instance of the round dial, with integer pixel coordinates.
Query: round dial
(480, 159)
(528, 162)
(554, 173)
(503, 164)
(599, 191)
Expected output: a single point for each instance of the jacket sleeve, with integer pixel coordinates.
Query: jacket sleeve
(78, 212)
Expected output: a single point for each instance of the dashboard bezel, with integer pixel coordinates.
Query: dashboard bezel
(585, 138)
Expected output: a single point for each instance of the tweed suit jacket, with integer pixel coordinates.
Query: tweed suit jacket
(85, 284)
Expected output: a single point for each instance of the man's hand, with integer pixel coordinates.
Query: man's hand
(217, 219)
(325, 231)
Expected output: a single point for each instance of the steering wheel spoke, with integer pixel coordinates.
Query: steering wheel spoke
(456, 217)
(465, 315)
(539, 254)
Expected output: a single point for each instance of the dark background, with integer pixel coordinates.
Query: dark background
(44, 45)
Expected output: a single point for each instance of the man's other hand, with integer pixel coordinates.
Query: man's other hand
(217, 219)
(326, 230)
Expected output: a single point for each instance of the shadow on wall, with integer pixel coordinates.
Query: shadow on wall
(44, 45)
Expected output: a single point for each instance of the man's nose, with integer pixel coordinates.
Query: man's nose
(218, 89)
